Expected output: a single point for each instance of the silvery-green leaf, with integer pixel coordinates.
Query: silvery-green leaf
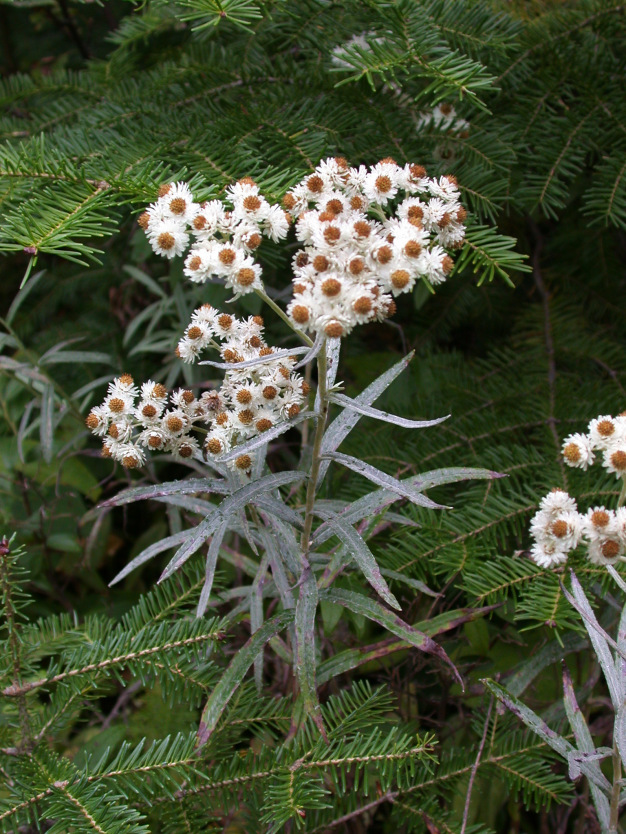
(194, 505)
(265, 437)
(575, 760)
(234, 674)
(258, 462)
(407, 580)
(225, 513)
(374, 502)
(312, 351)
(288, 544)
(373, 610)
(584, 743)
(619, 731)
(90, 386)
(364, 558)
(276, 507)
(342, 425)
(25, 428)
(250, 363)
(349, 659)
(333, 350)
(209, 570)
(149, 552)
(272, 549)
(600, 640)
(256, 615)
(531, 719)
(47, 422)
(369, 411)
(73, 356)
(183, 487)
(306, 608)
(20, 298)
(387, 481)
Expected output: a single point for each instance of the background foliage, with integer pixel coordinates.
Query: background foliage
(100, 105)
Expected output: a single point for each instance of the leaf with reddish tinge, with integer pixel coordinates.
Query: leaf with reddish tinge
(235, 673)
(306, 609)
(360, 604)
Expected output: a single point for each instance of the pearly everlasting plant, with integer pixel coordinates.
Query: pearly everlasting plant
(558, 527)
(365, 235)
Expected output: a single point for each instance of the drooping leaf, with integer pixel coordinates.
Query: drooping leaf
(235, 673)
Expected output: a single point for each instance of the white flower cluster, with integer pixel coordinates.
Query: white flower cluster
(369, 234)
(224, 237)
(157, 422)
(558, 528)
(249, 402)
(605, 435)
(253, 399)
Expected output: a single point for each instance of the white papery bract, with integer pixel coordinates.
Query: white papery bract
(368, 235)
(603, 530)
(250, 401)
(225, 234)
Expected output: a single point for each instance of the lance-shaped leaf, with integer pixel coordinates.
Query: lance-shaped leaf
(209, 571)
(256, 615)
(587, 748)
(250, 363)
(375, 502)
(401, 488)
(369, 411)
(236, 671)
(600, 640)
(312, 352)
(363, 556)
(46, 425)
(563, 747)
(349, 659)
(272, 549)
(342, 425)
(266, 436)
(153, 550)
(276, 507)
(186, 487)
(306, 609)
(619, 732)
(360, 604)
(226, 512)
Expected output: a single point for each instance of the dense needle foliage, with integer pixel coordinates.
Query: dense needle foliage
(102, 689)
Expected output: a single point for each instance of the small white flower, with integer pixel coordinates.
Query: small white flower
(168, 238)
(547, 554)
(602, 431)
(577, 451)
(558, 501)
(614, 458)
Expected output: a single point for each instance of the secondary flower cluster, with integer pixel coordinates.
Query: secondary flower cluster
(558, 528)
(606, 435)
(157, 422)
(224, 236)
(369, 234)
(250, 401)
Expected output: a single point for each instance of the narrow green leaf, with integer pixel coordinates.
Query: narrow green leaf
(236, 671)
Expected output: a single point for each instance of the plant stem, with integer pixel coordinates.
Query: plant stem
(316, 460)
(284, 317)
